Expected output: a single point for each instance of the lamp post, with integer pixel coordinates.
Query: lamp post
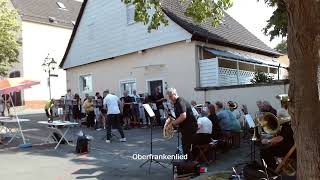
(49, 65)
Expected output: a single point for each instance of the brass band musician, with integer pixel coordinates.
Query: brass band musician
(282, 140)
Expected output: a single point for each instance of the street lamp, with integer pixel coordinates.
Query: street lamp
(48, 66)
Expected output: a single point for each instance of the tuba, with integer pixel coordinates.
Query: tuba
(168, 130)
(270, 123)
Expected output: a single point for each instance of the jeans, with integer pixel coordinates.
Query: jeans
(113, 120)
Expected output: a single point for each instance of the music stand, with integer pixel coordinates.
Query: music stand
(152, 116)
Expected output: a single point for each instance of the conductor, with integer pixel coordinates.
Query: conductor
(185, 119)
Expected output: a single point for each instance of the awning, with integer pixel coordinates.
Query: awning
(243, 57)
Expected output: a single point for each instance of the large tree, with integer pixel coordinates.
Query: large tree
(299, 20)
(282, 46)
(9, 29)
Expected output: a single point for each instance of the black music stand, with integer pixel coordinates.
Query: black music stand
(152, 117)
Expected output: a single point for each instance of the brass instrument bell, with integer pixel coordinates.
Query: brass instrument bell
(270, 123)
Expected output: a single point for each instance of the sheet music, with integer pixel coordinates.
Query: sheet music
(149, 110)
(250, 121)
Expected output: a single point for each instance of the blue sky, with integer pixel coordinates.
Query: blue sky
(253, 15)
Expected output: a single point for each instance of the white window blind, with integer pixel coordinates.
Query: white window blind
(209, 72)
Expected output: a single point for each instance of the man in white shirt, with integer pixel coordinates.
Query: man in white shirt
(112, 104)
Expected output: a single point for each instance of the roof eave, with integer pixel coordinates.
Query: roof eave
(74, 31)
(49, 24)
(198, 37)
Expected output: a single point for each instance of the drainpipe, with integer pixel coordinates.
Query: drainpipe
(279, 72)
(238, 81)
(205, 94)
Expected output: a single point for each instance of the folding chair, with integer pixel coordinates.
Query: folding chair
(285, 164)
(235, 139)
(225, 142)
(204, 151)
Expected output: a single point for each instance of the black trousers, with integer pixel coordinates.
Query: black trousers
(90, 119)
(158, 116)
(201, 138)
(47, 113)
(186, 141)
(113, 121)
(269, 152)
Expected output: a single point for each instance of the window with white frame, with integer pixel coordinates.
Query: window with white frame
(130, 14)
(86, 83)
(128, 86)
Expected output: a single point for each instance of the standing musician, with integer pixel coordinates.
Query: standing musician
(157, 98)
(68, 105)
(281, 142)
(185, 119)
(127, 102)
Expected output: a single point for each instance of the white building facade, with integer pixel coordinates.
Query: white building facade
(46, 29)
(107, 50)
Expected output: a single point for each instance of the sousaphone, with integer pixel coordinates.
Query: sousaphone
(270, 123)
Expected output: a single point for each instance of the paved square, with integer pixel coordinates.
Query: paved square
(105, 161)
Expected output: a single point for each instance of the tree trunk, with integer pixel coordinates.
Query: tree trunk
(304, 55)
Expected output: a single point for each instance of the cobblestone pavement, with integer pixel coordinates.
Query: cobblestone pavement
(105, 161)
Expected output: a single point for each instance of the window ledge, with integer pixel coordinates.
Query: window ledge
(277, 82)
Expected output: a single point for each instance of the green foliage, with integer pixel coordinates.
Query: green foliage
(277, 25)
(202, 10)
(9, 29)
(261, 77)
(142, 9)
(282, 46)
(207, 10)
(198, 10)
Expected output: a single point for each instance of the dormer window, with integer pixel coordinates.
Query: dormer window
(61, 6)
(130, 14)
(52, 20)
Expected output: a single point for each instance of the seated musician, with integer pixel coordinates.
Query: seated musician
(266, 107)
(194, 111)
(203, 135)
(228, 121)
(283, 112)
(280, 144)
(216, 132)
